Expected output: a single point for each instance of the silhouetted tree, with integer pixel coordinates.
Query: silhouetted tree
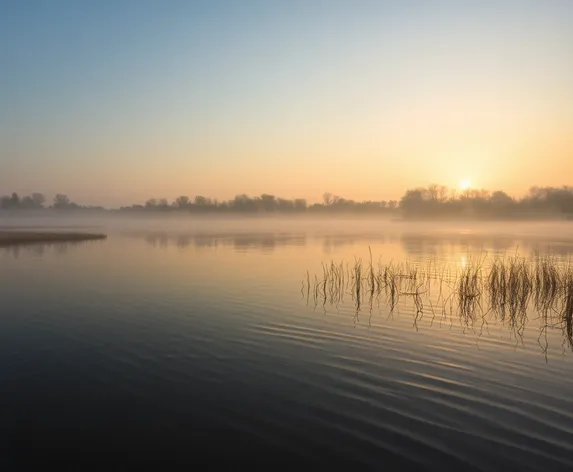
(61, 201)
(182, 202)
(14, 200)
(268, 202)
(27, 203)
(243, 203)
(201, 201)
(500, 198)
(300, 204)
(39, 199)
(413, 202)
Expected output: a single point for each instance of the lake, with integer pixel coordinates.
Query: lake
(207, 342)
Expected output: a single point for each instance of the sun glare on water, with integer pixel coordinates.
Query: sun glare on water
(465, 184)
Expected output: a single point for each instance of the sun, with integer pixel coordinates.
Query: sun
(465, 184)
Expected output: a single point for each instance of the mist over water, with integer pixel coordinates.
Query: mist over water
(176, 336)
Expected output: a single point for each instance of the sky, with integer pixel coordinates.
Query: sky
(117, 101)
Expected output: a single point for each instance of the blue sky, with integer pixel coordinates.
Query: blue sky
(117, 101)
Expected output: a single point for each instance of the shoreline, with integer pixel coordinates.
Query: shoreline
(18, 237)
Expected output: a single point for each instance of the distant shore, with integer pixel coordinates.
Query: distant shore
(15, 237)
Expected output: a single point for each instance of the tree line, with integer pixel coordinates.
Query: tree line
(422, 202)
(437, 201)
(265, 203)
(37, 201)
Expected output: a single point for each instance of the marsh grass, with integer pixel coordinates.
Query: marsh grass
(567, 306)
(506, 288)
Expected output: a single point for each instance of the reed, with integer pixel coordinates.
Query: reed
(469, 288)
(567, 308)
(507, 288)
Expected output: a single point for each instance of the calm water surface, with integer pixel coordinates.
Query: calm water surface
(188, 342)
